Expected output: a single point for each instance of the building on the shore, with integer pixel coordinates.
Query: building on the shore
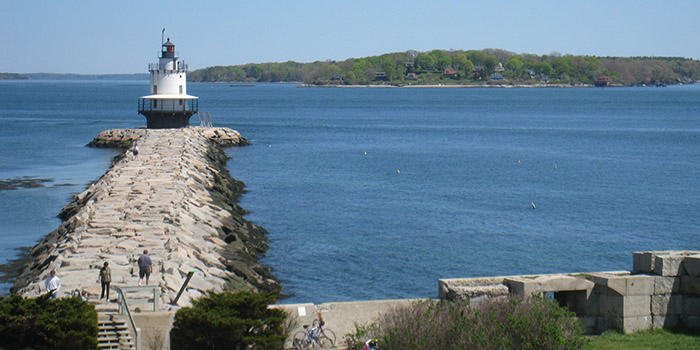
(602, 81)
(168, 105)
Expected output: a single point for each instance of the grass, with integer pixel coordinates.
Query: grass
(651, 339)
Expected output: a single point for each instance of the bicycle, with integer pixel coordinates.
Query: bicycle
(324, 337)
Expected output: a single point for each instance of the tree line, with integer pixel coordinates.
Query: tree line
(462, 67)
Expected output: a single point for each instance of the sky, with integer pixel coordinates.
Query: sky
(120, 37)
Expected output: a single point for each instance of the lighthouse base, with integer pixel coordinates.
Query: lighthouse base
(167, 120)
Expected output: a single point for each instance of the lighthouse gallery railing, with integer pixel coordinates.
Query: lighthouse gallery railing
(150, 105)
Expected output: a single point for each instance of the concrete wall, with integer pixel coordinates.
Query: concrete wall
(340, 317)
(155, 329)
(661, 291)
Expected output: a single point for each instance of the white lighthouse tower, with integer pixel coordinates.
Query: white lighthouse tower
(168, 105)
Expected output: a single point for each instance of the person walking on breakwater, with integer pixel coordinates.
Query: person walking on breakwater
(53, 284)
(135, 150)
(105, 280)
(145, 267)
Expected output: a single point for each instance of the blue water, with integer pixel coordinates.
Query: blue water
(378, 193)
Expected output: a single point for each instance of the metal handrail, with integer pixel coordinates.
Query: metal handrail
(189, 105)
(180, 67)
(184, 285)
(123, 305)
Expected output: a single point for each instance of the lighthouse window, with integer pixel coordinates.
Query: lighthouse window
(180, 89)
(180, 101)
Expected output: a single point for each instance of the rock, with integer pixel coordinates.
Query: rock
(177, 200)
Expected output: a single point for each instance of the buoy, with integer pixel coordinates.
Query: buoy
(398, 171)
(533, 205)
(365, 153)
(518, 161)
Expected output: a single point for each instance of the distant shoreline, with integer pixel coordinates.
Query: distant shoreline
(452, 86)
(72, 76)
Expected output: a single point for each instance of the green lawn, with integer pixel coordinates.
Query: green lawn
(653, 339)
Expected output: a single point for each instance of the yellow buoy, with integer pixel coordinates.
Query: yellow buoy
(398, 171)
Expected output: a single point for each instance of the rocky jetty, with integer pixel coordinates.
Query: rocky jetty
(177, 200)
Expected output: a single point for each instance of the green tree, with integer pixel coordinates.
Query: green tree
(229, 321)
(350, 78)
(477, 57)
(389, 67)
(45, 323)
(253, 71)
(543, 68)
(463, 64)
(437, 54)
(444, 62)
(562, 65)
(514, 63)
(425, 61)
(490, 63)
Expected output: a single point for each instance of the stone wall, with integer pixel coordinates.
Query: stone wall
(661, 291)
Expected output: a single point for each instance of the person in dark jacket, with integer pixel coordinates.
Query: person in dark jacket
(105, 280)
(145, 267)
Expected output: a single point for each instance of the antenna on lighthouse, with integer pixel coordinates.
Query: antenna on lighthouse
(162, 37)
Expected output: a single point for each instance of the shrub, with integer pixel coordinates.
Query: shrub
(228, 320)
(45, 323)
(495, 324)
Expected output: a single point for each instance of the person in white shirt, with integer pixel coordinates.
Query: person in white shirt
(53, 284)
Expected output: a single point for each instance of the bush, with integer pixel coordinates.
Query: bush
(228, 320)
(45, 323)
(495, 324)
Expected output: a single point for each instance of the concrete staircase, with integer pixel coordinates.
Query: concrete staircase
(114, 333)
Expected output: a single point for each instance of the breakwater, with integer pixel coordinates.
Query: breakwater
(177, 200)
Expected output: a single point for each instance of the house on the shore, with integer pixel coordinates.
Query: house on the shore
(449, 72)
(478, 72)
(380, 76)
(497, 77)
(602, 81)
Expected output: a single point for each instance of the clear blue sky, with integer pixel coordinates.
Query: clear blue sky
(100, 37)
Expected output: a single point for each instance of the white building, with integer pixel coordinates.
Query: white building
(168, 105)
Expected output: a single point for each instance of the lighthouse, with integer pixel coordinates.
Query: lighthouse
(168, 105)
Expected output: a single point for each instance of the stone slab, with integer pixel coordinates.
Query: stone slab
(690, 285)
(636, 324)
(666, 305)
(666, 285)
(692, 265)
(691, 305)
(666, 322)
(640, 285)
(643, 262)
(637, 305)
(672, 263)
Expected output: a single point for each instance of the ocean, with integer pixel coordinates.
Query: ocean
(376, 193)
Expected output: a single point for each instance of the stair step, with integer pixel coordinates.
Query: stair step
(113, 331)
